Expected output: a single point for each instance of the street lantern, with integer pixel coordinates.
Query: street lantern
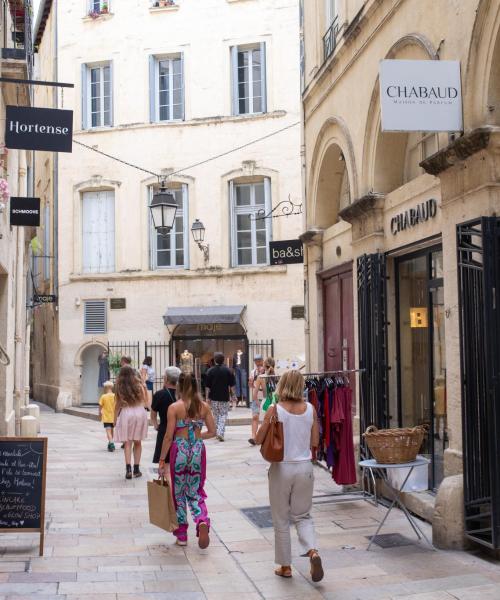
(198, 231)
(163, 210)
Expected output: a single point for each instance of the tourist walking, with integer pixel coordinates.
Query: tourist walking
(107, 412)
(162, 399)
(219, 389)
(260, 385)
(291, 481)
(131, 420)
(184, 439)
(148, 373)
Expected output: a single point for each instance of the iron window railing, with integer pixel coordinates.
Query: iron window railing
(330, 39)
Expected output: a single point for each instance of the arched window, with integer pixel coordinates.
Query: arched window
(250, 235)
(171, 251)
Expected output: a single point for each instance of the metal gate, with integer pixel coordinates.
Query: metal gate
(263, 347)
(479, 279)
(159, 352)
(118, 349)
(372, 337)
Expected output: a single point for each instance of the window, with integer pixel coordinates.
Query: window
(331, 11)
(166, 88)
(97, 96)
(171, 251)
(249, 79)
(420, 146)
(250, 236)
(94, 316)
(98, 232)
(98, 6)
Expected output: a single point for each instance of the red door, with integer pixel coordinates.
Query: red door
(338, 311)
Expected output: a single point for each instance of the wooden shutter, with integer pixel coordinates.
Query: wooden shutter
(98, 232)
(94, 318)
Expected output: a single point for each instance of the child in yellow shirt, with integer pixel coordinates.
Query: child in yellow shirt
(107, 412)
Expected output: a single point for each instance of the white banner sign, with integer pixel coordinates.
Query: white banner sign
(421, 95)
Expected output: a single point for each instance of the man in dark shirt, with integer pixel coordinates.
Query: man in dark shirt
(220, 383)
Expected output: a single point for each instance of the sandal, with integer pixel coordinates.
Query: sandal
(317, 573)
(285, 572)
(203, 537)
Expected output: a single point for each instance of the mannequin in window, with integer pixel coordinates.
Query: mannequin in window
(187, 362)
(240, 374)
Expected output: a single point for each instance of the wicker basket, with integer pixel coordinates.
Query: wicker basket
(392, 446)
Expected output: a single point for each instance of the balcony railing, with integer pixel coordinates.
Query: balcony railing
(330, 39)
(17, 34)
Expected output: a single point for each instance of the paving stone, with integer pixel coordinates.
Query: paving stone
(44, 577)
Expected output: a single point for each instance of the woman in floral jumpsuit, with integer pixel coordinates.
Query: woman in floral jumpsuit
(184, 438)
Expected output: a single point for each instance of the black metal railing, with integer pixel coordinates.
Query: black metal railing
(479, 279)
(372, 336)
(330, 39)
(264, 348)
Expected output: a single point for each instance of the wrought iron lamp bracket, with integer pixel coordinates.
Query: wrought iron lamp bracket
(285, 208)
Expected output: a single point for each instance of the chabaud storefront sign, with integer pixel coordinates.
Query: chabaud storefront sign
(29, 128)
(421, 95)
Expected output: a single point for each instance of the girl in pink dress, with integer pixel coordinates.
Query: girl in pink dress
(131, 418)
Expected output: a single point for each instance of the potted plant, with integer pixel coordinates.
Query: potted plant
(104, 8)
(162, 3)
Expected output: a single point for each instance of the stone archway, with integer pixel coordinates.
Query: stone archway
(87, 361)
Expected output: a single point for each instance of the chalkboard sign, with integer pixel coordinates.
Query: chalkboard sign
(23, 463)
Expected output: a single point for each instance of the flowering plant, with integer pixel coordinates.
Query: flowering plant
(93, 14)
(4, 190)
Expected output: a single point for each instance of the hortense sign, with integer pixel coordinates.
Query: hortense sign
(287, 252)
(414, 216)
(25, 212)
(421, 95)
(29, 128)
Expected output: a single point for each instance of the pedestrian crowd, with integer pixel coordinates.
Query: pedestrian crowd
(184, 419)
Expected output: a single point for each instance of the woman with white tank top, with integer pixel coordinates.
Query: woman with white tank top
(291, 481)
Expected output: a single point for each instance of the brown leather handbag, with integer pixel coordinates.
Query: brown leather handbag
(273, 446)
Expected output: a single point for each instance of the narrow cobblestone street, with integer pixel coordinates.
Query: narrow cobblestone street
(99, 543)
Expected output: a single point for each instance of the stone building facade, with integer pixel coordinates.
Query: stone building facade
(16, 173)
(175, 89)
(412, 306)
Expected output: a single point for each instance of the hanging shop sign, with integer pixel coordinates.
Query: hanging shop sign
(421, 95)
(44, 298)
(23, 466)
(28, 128)
(414, 216)
(25, 212)
(287, 252)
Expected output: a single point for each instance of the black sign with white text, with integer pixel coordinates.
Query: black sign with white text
(287, 252)
(44, 298)
(28, 128)
(25, 212)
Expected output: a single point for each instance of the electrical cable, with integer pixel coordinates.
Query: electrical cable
(192, 166)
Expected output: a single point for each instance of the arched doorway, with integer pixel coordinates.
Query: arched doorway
(90, 374)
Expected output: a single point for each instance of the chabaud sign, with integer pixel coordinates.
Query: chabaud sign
(421, 95)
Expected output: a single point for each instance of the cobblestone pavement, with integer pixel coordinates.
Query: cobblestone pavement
(99, 543)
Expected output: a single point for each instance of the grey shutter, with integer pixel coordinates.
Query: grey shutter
(111, 87)
(152, 89)
(94, 318)
(234, 79)
(263, 75)
(183, 116)
(85, 124)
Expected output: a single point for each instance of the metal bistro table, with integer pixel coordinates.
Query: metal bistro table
(374, 465)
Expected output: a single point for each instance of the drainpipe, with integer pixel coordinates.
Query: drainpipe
(55, 174)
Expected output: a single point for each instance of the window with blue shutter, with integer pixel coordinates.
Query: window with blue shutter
(249, 79)
(97, 95)
(166, 88)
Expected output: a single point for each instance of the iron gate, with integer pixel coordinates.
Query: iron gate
(118, 349)
(263, 347)
(372, 337)
(479, 279)
(159, 352)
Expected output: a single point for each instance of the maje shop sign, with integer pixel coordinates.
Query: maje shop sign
(28, 128)
(421, 95)
(287, 252)
(414, 216)
(25, 212)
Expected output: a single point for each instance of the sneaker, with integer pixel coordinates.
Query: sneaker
(203, 537)
(110, 447)
(220, 438)
(251, 441)
(181, 542)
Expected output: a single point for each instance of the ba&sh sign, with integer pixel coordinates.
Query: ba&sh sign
(287, 252)
(421, 95)
(29, 128)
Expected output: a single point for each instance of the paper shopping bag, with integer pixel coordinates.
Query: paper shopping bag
(161, 505)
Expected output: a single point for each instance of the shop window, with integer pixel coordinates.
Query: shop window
(97, 95)
(171, 251)
(250, 234)
(98, 232)
(248, 64)
(420, 146)
(166, 88)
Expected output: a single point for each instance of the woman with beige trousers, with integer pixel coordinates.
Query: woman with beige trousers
(291, 482)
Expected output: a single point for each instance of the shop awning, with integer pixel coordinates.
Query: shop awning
(194, 315)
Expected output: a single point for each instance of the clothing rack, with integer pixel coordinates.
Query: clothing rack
(318, 374)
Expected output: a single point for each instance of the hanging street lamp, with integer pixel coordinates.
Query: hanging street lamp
(198, 231)
(163, 210)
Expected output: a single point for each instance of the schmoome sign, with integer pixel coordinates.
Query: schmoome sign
(29, 128)
(421, 95)
(24, 212)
